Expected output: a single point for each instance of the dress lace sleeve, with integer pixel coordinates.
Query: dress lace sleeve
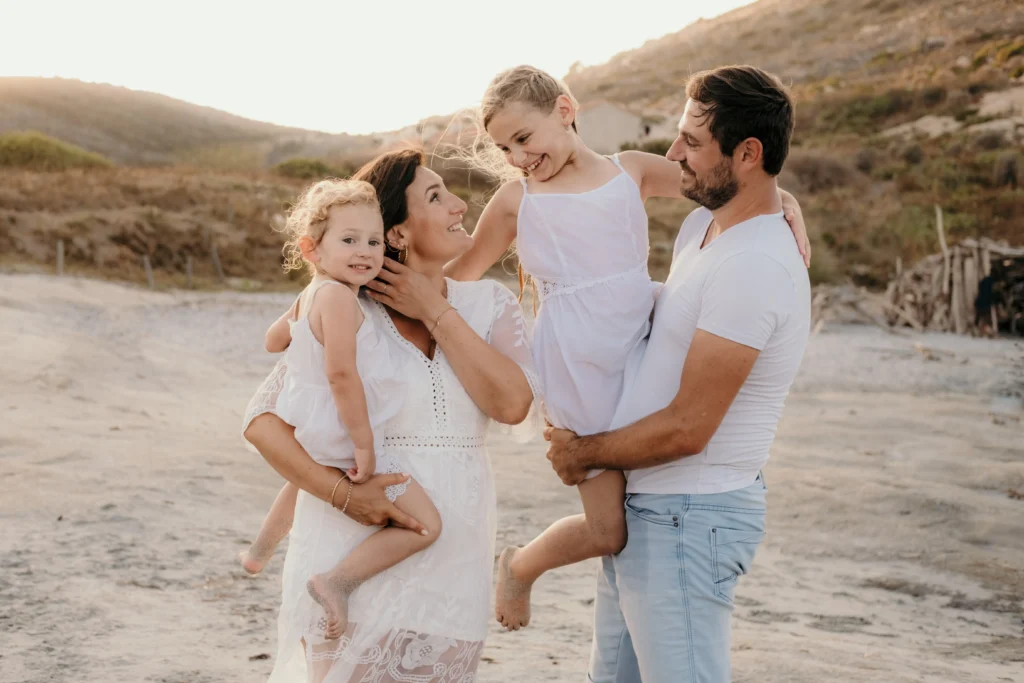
(265, 398)
(508, 334)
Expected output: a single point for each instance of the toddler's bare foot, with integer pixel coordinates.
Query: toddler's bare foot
(251, 562)
(512, 603)
(331, 593)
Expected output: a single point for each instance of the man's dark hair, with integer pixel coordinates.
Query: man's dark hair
(745, 102)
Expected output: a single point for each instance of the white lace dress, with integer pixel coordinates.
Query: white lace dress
(424, 620)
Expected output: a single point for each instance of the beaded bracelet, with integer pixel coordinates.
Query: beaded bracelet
(347, 497)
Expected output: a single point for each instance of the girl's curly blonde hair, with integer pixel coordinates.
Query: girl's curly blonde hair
(308, 217)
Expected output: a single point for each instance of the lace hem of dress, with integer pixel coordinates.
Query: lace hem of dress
(399, 657)
(549, 288)
(265, 398)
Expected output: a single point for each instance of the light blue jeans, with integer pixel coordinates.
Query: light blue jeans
(665, 602)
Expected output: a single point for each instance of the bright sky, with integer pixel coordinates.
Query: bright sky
(338, 66)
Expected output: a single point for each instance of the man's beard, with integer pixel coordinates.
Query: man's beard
(715, 189)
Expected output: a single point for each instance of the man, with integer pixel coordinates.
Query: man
(694, 429)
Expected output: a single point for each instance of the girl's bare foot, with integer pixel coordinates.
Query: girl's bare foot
(252, 562)
(512, 603)
(331, 593)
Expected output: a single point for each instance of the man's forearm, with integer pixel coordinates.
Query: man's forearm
(659, 438)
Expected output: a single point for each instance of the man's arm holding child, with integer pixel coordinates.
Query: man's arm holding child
(743, 303)
(713, 373)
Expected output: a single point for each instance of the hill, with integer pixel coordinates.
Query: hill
(900, 105)
(142, 128)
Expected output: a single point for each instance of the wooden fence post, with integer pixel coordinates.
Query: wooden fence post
(149, 270)
(215, 257)
(945, 250)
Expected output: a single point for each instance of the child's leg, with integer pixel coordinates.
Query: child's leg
(599, 531)
(276, 526)
(382, 550)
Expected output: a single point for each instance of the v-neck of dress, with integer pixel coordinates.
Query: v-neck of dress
(401, 338)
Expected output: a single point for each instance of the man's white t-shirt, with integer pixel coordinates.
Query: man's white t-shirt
(749, 286)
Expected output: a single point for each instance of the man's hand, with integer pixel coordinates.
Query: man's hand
(564, 455)
(369, 506)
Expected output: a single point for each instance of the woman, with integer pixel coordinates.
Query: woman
(424, 620)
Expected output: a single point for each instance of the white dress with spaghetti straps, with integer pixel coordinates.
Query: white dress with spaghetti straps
(307, 403)
(587, 254)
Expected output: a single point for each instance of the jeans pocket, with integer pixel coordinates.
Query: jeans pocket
(732, 552)
(652, 516)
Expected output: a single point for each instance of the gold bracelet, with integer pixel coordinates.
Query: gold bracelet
(348, 497)
(334, 490)
(438, 321)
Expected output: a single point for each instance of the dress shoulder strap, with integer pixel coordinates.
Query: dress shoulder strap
(523, 181)
(308, 298)
(615, 158)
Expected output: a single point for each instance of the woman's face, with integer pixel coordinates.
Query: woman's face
(433, 231)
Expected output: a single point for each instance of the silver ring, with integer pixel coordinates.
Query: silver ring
(385, 290)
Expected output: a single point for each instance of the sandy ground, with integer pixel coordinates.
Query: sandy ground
(895, 547)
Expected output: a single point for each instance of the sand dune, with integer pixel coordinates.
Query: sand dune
(895, 547)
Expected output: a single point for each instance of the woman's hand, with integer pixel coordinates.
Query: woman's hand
(369, 505)
(795, 217)
(408, 292)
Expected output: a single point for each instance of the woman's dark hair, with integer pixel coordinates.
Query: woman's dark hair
(391, 174)
(745, 102)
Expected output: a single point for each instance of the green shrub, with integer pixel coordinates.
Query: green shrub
(819, 172)
(913, 155)
(1009, 51)
(309, 169)
(865, 160)
(990, 140)
(37, 152)
(1007, 170)
(933, 96)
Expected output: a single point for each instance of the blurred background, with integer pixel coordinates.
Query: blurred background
(131, 130)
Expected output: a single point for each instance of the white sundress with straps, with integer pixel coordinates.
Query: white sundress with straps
(587, 254)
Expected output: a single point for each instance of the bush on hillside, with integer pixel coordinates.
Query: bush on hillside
(37, 152)
(865, 160)
(657, 146)
(1007, 171)
(913, 155)
(310, 169)
(817, 172)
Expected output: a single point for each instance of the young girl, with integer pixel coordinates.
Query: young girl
(340, 386)
(580, 228)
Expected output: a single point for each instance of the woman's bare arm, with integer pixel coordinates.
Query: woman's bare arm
(275, 440)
